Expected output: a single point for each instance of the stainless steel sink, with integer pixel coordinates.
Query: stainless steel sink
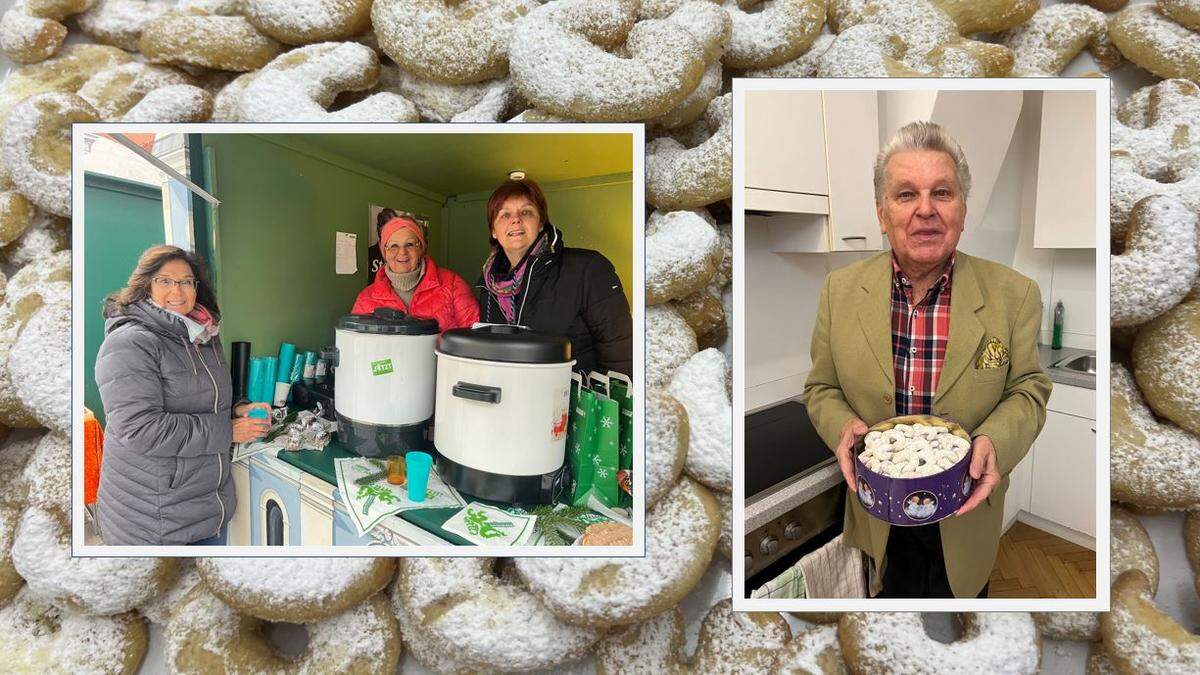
(1083, 363)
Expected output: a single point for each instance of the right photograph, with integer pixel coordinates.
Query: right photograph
(918, 355)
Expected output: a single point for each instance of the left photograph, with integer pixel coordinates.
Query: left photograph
(312, 339)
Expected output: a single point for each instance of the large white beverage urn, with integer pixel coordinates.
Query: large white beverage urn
(384, 382)
(503, 396)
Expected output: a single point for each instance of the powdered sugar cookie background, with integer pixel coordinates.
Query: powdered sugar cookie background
(1176, 594)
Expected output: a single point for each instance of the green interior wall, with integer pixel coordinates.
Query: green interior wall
(121, 219)
(595, 213)
(281, 206)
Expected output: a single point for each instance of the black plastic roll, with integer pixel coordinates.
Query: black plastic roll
(239, 366)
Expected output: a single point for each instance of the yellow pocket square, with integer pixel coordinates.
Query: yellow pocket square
(994, 355)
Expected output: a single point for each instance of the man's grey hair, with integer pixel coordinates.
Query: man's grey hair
(923, 135)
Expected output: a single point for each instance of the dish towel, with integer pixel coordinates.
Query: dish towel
(789, 585)
(833, 571)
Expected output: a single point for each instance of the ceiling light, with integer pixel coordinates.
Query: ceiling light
(516, 175)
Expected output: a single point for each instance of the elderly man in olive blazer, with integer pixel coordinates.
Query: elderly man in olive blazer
(924, 329)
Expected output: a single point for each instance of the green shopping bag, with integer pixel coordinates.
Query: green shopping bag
(581, 442)
(620, 391)
(606, 461)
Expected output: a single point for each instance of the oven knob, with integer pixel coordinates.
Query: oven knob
(769, 545)
(793, 530)
(749, 561)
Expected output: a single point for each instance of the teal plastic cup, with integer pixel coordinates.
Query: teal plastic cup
(418, 466)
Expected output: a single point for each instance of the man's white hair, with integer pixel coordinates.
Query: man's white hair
(923, 135)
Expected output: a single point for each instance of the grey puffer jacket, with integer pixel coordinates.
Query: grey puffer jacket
(165, 478)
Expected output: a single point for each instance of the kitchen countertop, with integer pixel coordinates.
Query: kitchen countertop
(774, 504)
(1048, 356)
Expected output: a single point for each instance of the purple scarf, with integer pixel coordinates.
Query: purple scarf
(503, 281)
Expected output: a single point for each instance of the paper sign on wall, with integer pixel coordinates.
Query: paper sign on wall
(346, 253)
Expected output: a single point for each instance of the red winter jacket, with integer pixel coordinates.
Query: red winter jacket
(441, 294)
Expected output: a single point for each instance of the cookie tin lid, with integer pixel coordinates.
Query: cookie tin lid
(387, 321)
(509, 344)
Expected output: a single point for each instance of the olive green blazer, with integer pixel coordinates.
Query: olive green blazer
(852, 376)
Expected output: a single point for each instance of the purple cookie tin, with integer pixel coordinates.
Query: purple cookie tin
(914, 501)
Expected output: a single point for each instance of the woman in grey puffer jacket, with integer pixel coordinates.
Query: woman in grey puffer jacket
(165, 477)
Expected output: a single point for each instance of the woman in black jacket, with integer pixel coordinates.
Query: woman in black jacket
(532, 279)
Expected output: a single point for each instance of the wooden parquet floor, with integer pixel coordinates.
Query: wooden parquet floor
(1036, 564)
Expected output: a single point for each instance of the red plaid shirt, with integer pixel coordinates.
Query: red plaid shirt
(919, 335)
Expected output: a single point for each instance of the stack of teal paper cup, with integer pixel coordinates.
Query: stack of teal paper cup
(297, 371)
(287, 355)
(254, 385)
(271, 369)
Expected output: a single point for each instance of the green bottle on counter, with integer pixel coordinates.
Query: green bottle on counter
(1056, 340)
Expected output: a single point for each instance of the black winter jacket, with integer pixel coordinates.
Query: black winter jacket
(574, 292)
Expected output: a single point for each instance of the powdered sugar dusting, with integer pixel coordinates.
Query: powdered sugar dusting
(652, 644)
(458, 44)
(207, 40)
(992, 643)
(666, 443)
(681, 533)
(780, 31)
(694, 106)
(1166, 357)
(362, 639)
(1153, 41)
(1152, 463)
(159, 608)
(48, 474)
(1054, 35)
(683, 178)
(739, 642)
(13, 457)
(699, 384)
(470, 612)
(299, 85)
(26, 38)
(669, 342)
(37, 147)
(435, 101)
(559, 70)
(285, 581)
(804, 65)
(114, 91)
(173, 103)
(119, 22)
(1156, 152)
(681, 255)
(307, 21)
(1141, 638)
(40, 367)
(915, 37)
(42, 555)
(36, 637)
(1160, 262)
(1131, 549)
(811, 652)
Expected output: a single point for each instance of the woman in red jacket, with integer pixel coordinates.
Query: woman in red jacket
(409, 281)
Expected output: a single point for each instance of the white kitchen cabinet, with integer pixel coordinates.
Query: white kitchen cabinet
(1063, 480)
(1065, 213)
(808, 169)
(785, 142)
(853, 225)
(1064, 473)
(1020, 481)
